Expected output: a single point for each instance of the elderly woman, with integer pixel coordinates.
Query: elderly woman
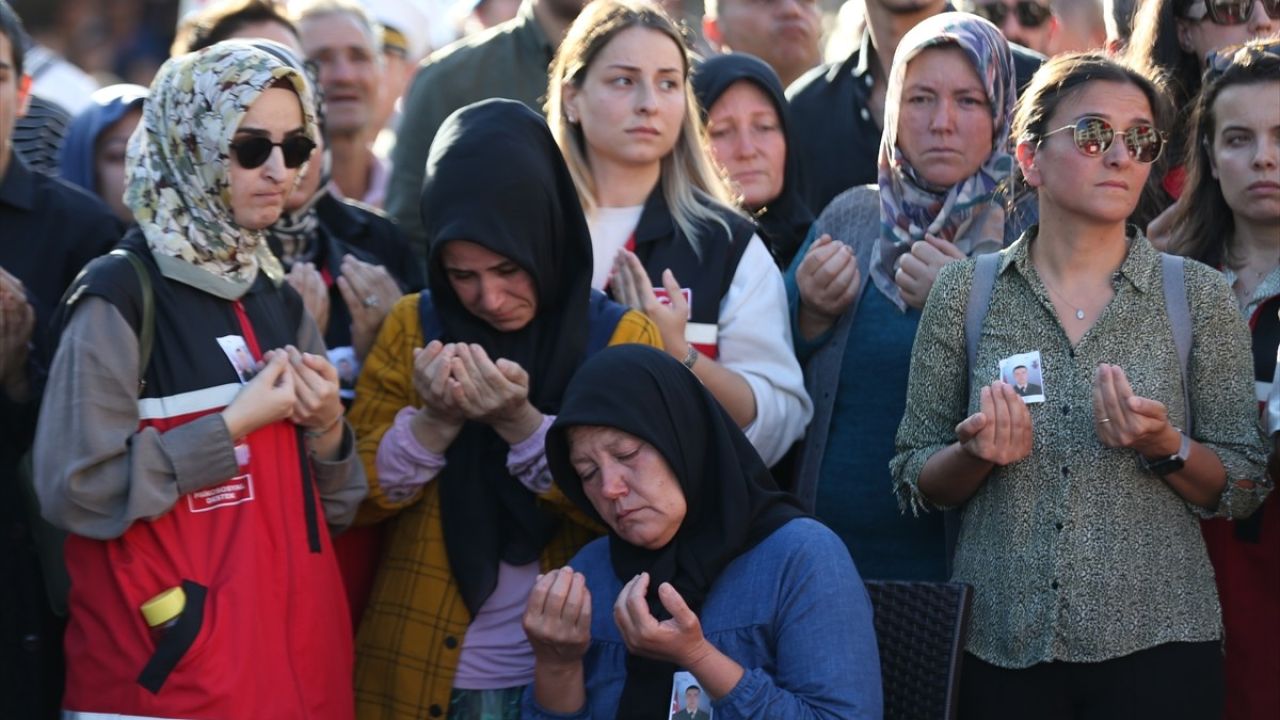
(856, 300)
(1080, 507)
(1229, 218)
(93, 150)
(452, 408)
(709, 577)
(199, 502)
(747, 125)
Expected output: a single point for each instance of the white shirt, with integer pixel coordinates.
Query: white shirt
(610, 229)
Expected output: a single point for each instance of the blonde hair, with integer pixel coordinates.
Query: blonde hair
(688, 167)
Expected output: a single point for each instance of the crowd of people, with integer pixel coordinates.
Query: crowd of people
(586, 370)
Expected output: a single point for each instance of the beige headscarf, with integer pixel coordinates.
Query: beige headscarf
(177, 181)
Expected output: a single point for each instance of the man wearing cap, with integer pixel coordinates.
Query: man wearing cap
(410, 30)
(506, 61)
(344, 43)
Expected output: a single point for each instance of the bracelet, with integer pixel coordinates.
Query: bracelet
(690, 357)
(315, 434)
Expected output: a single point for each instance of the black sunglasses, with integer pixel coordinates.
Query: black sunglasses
(1093, 137)
(1030, 14)
(1230, 12)
(254, 151)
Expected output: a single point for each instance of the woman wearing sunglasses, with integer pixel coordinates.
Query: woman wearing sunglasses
(1174, 36)
(199, 502)
(1229, 218)
(1079, 513)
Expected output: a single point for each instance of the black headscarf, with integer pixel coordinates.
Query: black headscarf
(732, 500)
(496, 178)
(785, 222)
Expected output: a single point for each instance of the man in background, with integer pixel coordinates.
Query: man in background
(783, 33)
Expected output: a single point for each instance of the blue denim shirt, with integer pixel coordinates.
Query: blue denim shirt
(792, 611)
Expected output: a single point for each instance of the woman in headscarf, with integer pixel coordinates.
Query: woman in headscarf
(748, 126)
(856, 300)
(1229, 218)
(452, 408)
(203, 579)
(708, 570)
(93, 150)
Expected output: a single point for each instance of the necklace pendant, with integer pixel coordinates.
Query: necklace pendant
(1079, 314)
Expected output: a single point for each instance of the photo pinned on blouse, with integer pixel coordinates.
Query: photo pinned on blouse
(348, 367)
(1025, 373)
(688, 701)
(237, 352)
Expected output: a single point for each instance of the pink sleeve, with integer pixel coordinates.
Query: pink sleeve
(403, 465)
(527, 459)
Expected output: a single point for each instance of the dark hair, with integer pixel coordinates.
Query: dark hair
(1062, 76)
(1155, 44)
(221, 20)
(11, 28)
(1021, 367)
(1118, 16)
(1203, 223)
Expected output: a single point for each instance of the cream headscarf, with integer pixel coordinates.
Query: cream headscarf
(177, 180)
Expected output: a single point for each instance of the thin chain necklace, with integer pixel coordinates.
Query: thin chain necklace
(1079, 310)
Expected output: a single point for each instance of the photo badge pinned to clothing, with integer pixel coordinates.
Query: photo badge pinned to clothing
(688, 700)
(1026, 374)
(237, 352)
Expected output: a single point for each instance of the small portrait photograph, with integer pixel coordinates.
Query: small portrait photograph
(344, 359)
(1025, 373)
(237, 352)
(688, 702)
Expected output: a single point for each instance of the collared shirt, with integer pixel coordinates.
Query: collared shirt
(1077, 553)
(833, 128)
(507, 61)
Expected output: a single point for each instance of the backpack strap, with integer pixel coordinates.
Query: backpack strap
(975, 312)
(432, 329)
(603, 316)
(1178, 309)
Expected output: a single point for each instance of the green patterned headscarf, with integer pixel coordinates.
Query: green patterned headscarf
(177, 179)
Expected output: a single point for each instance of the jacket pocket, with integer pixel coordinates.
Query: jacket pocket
(177, 640)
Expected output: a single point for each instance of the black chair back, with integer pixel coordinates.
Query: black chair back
(920, 630)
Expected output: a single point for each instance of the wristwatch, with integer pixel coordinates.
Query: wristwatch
(1172, 464)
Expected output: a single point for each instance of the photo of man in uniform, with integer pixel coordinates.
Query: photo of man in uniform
(691, 711)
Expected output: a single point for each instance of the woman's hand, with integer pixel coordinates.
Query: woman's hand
(677, 640)
(558, 617)
(440, 420)
(631, 287)
(1125, 420)
(315, 296)
(828, 280)
(1000, 432)
(267, 398)
(317, 406)
(493, 393)
(918, 269)
(369, 292)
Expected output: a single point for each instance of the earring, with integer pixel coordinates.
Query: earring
(572, 120)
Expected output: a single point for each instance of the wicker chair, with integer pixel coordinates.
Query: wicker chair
(920, 629)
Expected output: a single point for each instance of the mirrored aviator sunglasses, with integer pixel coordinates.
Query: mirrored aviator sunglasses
(1231, 12)
(1093, 137)
(1030, 14)
(252, 152)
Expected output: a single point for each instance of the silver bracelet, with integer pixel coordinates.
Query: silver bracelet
(690, 357)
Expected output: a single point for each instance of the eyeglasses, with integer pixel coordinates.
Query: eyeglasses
(1219, 61)
(1030, 14)
(1093, 137)
(254, 151)
(1230, 12)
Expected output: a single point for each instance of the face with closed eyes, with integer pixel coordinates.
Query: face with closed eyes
(629, 483)
(945, 128)
(258, 194)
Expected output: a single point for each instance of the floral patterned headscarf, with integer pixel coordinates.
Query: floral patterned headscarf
(964, 213)
(177, 164)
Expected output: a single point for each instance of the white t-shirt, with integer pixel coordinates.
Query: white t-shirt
(610, 229)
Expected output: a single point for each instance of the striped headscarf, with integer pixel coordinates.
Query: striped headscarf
(964, 213)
